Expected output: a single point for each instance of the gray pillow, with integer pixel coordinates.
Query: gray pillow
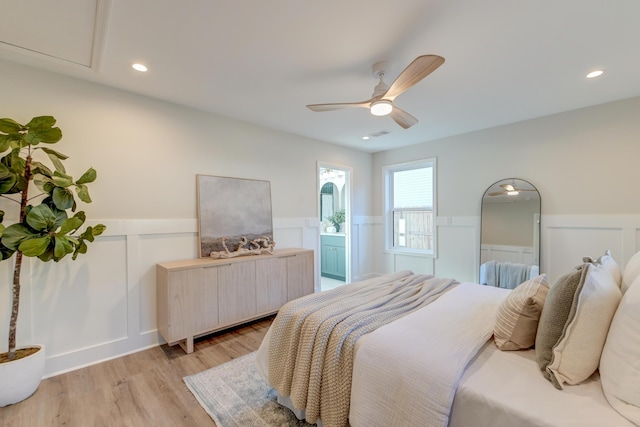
(558, 310)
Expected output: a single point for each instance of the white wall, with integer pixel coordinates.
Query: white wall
(583, 162)
(147, 154)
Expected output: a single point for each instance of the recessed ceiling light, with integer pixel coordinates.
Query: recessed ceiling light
(139, 67)
(596, 73)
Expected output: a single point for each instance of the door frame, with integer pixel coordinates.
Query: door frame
(347, 209)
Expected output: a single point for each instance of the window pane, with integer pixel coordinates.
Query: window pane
(413, 188)
(413, 229)
(410, 207)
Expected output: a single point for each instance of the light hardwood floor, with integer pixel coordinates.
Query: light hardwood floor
(141, 389)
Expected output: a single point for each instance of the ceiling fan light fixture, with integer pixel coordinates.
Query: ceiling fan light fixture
(381, 107)
(513, 193)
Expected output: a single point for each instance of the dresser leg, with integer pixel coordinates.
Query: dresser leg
(187, 345)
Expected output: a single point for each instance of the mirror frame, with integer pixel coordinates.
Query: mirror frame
(536, 244)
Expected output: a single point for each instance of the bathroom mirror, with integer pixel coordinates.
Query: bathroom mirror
(510, 233)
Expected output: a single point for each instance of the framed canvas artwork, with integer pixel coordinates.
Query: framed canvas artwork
(232, 212)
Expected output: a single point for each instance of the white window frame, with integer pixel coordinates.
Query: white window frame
(387, 175)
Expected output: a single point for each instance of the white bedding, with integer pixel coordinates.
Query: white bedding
(435, 343)
(506, 389)
(419, 359)
(497, 389)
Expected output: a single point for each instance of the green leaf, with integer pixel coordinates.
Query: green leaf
(54, 153)
(5, 253)
(62, 247)
(47, 255)
(42, 218)
(41, 122)
(56, 158)
(83, 193)
(62, 180)
(62, 198)
(70, 225)
(99, 229)
(88, 234)
(61, 216)
(5, 142)
(50, 136)
(15, 234)
(44, 183)
(7, 179)
(91, 232)
(88, 176)
(40, 129)
(39, 168)
(35, 247)
(14, 162)
(81, 248)
(10, 126)
(81, 215)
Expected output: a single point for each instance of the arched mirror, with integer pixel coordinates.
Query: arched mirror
(329, 201)
(510, 233)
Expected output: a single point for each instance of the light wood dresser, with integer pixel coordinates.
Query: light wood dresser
(198, 296)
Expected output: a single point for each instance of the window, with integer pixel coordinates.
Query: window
(410, 206)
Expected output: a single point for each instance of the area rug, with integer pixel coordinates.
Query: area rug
(235, 395)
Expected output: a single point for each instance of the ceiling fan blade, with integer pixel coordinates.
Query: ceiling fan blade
(508, 187)
(420, 68)
(338, 106)
(401, 117)
(497, 193)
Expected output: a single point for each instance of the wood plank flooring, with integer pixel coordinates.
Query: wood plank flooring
(141, 389)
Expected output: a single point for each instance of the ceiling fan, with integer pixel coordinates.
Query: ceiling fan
(381, 102)
(509, 190)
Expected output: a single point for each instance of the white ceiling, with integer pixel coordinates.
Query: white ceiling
(263, 61)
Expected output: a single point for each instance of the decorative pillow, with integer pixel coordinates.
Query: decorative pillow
(574, 324)
(631, 271)
(555, 315)
(519, 313)
(611, 266)
(619, 367)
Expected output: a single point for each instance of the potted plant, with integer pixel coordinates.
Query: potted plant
(337, 219)
(43, 229)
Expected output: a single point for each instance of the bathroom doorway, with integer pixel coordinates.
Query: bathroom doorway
(334, 211)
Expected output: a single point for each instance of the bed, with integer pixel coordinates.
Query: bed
(443, 363)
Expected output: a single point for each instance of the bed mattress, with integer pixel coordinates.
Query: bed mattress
(505, 389)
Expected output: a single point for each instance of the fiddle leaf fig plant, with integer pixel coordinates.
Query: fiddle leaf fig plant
(44, 228)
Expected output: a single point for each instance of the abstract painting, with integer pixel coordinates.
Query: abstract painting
(232, 209)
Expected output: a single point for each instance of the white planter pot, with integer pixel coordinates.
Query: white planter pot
(20, 378)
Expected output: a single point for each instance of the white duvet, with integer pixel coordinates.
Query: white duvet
(406, 372)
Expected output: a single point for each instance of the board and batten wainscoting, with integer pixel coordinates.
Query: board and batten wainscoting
(103, 305)
(564, 240)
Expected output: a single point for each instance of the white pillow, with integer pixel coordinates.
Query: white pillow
(631, 271)
(610, 265)
(577, 353)
(620, 362)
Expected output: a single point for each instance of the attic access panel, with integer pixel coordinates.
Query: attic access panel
(67, 30)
